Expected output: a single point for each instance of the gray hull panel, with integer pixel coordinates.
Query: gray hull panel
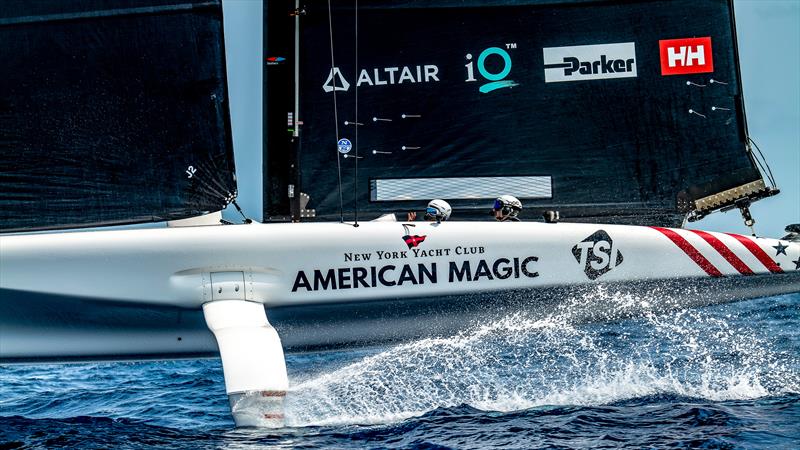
(48, 328)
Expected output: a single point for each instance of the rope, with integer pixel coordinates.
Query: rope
(355, 181)
(769, 170)
(335, 114)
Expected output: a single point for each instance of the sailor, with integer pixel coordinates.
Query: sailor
(438, 210)
(506, 208)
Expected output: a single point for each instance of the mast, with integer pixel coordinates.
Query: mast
(294, 193)
(280, 102)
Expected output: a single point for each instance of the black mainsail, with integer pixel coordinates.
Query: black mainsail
(113, 111)
(608, 111)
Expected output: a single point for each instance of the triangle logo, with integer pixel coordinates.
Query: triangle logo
(331, 84)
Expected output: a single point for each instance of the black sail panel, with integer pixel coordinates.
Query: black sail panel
(113, 112)
(626, 112)
(278, 111)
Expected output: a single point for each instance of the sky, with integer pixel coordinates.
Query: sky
(769, 51)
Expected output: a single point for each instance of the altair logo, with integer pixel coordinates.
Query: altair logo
(496, 80)
(331, 84)
(383, 76)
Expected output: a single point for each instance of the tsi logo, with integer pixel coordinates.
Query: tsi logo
(589, 62)
(597, 254)
(682, 56)
(496, 80)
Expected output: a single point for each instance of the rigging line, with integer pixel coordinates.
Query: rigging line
(761, 169)
(336, 114)
(355, 177)
(246, 219)
(769, 170)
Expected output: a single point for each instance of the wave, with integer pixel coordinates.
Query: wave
(524, 361)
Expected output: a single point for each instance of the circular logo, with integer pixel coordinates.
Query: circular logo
(344, 146)
(506, 63)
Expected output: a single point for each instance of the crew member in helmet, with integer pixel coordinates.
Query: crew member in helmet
(438, 210)
(506, 208)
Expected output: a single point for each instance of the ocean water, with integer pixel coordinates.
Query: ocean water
(724, 376)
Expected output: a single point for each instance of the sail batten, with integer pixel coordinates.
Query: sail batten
(633, 109)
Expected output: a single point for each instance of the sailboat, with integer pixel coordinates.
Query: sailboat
(624, 120)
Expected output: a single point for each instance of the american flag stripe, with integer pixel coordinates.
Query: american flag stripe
(760, 254)
(690, 251)
(726, 253)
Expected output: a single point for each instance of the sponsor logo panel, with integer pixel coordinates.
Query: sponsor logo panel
(416, 266)
(495, 80)
(597, 254)
(686, 56)
(589, 62)
(382, 76)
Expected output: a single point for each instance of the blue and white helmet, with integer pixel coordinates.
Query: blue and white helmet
(508, 205)
(438, 210)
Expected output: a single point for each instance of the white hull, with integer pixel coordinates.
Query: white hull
(139, 293)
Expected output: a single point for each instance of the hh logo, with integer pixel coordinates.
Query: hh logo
(682, 56)
(597, 254)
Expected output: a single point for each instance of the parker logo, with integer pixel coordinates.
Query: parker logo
(411, 240)
(683, 56)
(597, 254)
(589, 62)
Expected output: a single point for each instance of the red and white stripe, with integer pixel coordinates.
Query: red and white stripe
(758, 252)
(720, 254)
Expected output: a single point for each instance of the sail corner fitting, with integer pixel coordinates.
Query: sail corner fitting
(738, 197)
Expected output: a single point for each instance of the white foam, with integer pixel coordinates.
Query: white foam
(519, 363)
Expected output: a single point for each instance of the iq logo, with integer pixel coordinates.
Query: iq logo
(496, 79)
(344, 146)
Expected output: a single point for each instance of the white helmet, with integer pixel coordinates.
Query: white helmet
(508, 205)
(438, 210)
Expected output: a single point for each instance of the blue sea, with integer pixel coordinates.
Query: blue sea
(724, 376)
